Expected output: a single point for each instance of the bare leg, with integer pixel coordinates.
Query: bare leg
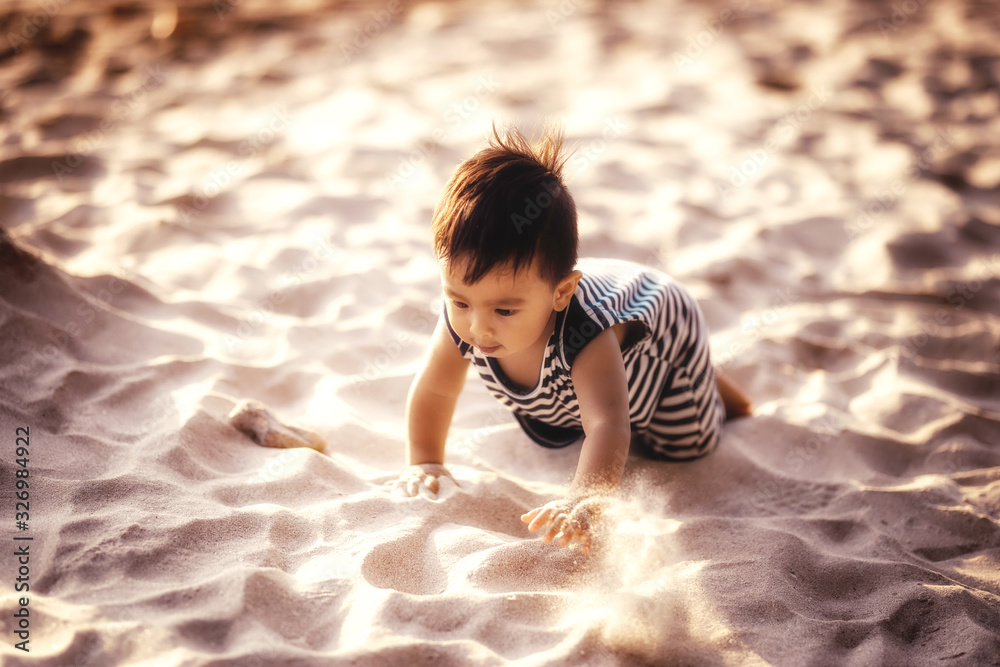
(737, 403)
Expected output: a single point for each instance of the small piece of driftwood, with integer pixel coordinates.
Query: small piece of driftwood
(255, 420)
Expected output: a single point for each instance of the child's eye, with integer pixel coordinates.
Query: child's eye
(459, 304)
(504, 312)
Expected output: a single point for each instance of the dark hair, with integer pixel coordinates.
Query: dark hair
(506, 205)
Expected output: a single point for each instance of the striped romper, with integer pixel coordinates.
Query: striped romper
(674, 404)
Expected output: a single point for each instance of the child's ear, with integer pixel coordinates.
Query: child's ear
(564, 290)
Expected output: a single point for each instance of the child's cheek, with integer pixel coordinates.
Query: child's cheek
(459, 323)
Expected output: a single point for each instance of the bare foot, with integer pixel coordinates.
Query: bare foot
(737, 403)
(255, 420)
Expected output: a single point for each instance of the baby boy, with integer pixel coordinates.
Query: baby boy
(599, 349)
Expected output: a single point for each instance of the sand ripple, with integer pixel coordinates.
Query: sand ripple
(209, 202)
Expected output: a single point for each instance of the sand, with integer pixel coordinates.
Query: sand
(211, 204)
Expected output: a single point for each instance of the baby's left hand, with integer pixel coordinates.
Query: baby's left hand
(567, 519)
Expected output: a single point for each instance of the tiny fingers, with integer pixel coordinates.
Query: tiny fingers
(581, 519)
(584, 533)
(420, 481)
(556, 528)
(572, 530)
(543, 517)
(527, 517)
(562, 525)
(427, 487)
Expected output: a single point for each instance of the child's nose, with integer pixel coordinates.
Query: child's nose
(480, 327)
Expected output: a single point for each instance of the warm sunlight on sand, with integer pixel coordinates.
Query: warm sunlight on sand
(217, 284)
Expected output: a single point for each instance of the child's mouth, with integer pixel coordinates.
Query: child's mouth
(489, 350)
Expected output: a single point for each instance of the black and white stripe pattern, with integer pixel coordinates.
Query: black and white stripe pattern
(673, 401)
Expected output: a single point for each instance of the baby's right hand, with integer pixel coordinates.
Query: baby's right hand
(421, 476)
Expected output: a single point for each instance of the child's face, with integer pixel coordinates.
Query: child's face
(503, 314)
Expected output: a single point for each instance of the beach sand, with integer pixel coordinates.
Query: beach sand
(209, 203)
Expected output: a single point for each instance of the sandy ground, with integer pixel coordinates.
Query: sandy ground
(229, 201)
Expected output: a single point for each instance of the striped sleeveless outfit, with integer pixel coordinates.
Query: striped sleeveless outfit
(674, 404)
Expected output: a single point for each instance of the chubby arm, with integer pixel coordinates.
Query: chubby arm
(602, 390)
(429, 408)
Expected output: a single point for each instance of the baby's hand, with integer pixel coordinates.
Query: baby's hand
(567, 519)
(421, 476)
